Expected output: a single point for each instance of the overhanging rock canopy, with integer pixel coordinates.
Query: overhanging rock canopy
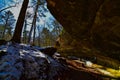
(97, 21)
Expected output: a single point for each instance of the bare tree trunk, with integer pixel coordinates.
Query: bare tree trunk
(33, 25)
(19, 25)
(30, 33)
(25, 33)
(34, 33)
(39, 36)
(5, 26)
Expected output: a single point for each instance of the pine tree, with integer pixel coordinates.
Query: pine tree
(19, 25)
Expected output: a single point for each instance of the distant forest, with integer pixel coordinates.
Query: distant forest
(39, 26)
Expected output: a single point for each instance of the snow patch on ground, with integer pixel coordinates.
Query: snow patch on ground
(24, 62)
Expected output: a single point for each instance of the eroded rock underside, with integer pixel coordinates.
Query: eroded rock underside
(92, 23)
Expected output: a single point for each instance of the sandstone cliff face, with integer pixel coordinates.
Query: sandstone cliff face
(96, 21)
(77, 16)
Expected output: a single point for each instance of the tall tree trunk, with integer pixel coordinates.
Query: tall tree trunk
(25, 32)
(38, 36)
(5, 26)
(19, 25)
(34, 33)
(33, 25)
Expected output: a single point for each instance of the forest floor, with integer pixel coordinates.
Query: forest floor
(83, 68)
(94, 63)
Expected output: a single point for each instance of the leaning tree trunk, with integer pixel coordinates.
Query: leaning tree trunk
(20, 22)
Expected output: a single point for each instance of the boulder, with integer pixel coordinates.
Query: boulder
(24, 62)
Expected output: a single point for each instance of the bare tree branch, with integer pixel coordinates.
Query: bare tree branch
(8, 7)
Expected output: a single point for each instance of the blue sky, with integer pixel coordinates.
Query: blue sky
(16, 10)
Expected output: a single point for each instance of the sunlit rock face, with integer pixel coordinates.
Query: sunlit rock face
(96, 21)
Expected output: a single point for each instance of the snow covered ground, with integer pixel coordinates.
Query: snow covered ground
(24, 62)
